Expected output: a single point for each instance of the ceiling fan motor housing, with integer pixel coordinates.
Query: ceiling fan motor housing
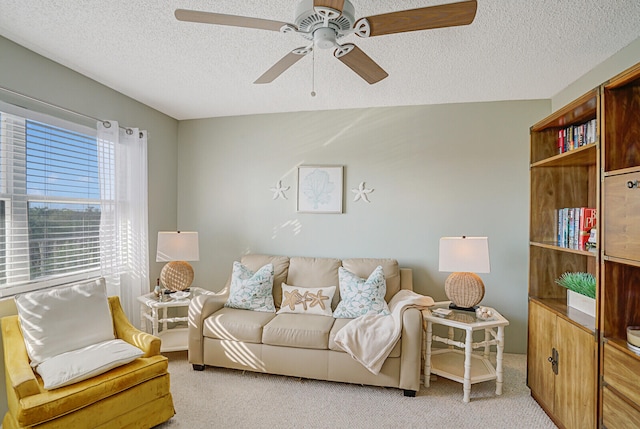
(308, 20)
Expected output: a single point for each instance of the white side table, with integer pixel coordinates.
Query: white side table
(155, 310)
(463, 365)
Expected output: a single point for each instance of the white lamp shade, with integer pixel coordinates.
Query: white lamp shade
(177, 246)
(464, 254)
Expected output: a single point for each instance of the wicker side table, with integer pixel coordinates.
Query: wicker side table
(155, 311)
(463, 365)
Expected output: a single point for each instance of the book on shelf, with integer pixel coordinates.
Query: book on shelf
(574, 226)
(575, 136)
(587, 223)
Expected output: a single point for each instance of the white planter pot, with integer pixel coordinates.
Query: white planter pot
(581, 303)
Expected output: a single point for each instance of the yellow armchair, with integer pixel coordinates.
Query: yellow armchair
(134, 395)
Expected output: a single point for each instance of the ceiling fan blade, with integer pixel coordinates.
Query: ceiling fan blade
(446, 15)
(232, 20)
(283, 65)
(360, 63)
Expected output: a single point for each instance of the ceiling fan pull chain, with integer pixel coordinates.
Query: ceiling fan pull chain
(313, 73)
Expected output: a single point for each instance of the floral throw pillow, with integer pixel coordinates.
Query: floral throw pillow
(251, 291)
(359, 296)
(307, 300)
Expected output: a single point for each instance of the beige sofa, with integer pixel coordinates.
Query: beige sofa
(301, 345)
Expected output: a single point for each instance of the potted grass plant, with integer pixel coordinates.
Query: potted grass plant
(581, 291)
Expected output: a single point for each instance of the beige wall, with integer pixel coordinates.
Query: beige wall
(23, 71)
(458, 169)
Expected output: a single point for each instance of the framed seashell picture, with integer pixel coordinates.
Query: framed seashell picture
(320, 188)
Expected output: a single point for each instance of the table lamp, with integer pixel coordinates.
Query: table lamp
(463, 257)
(176, 248)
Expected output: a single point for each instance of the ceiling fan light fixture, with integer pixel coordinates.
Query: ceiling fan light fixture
(324, 38)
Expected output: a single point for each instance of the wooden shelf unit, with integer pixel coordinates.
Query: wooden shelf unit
(620, 272)
(557, 332)
(605, 176)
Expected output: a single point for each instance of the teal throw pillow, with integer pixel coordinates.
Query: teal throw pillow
(251, 291)
(359, 296)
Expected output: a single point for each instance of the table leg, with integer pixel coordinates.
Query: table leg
(499, 360)
(164, 316)
(154, 323)
(468, 349)
(487, 347)
(451, 332)
(427, 359)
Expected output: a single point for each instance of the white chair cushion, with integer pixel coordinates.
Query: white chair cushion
(85, 363)
(59, 320)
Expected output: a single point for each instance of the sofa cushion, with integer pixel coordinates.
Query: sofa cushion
(235, 324)
(359, 296)
(314, 272)
(307, 300)
(59, 320)
(362, 267)
(77, 365)
(308, 331)
(251, 290)
(280, 270)
(337, 325)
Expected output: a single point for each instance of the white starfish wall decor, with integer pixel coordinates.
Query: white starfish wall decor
(279, 190)
(361, 193)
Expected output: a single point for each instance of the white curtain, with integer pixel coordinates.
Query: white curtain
(124, 238)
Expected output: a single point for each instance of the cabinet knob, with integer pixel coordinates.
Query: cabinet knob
(632, 184)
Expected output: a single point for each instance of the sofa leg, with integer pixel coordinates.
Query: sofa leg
(197, 367)
(410, 393)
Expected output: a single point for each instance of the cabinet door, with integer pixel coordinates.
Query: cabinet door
(541, 379)
(575, 395)
(622, 216)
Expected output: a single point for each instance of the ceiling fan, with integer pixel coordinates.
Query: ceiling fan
(324, 22)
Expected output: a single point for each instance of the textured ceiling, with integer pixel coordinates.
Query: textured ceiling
(514, 49)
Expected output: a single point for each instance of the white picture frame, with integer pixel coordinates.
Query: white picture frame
(320, 189)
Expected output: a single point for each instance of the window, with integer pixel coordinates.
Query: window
(50, 203)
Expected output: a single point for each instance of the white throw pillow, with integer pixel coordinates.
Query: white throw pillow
(307, 300)
(59, 320)
(359, 296)
(78, 365)
(251, 291)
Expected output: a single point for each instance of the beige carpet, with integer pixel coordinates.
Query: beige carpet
(222, 398)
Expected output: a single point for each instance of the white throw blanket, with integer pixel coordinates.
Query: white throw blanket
(370, 338)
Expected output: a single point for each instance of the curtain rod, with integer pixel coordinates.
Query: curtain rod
(106, 123)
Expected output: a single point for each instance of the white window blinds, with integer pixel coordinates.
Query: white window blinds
(50, 203)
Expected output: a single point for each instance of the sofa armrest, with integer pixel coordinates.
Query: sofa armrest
(200, 308)
(124, 330)
(20, 378)
(411, 354)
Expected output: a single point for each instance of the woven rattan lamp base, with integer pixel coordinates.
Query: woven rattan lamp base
(176, 275)
(465, 290)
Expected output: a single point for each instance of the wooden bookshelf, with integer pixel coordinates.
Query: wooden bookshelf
(560, 180)
(620, 273)
(605, 176)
